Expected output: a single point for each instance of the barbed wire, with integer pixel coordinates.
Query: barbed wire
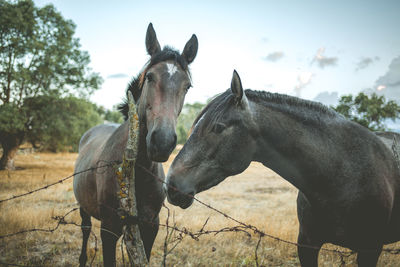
(58, 182)
(60, 221)
(174, 234)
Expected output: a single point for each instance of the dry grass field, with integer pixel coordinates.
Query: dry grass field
(258, 197)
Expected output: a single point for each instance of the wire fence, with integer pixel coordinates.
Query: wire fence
(174, 235)
(109, 164)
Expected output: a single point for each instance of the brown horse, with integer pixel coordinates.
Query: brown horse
(159, 91)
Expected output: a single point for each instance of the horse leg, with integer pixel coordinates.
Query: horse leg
(368, 258)
(308, 239)
(148, 233)
(307, 250)
(86, 227)
(110, 233)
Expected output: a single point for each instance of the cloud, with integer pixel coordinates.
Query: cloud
(365, 62)
(304, 79)
(329, 99)
(117, 76)
(275, 56)
(392, 76)
(322, 60)
(389, 84)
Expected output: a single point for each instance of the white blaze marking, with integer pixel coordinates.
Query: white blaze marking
(171, 69)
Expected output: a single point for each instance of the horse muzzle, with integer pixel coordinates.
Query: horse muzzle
(177, 197)
(160, 145)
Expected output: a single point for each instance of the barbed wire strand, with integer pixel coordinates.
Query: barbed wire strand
(60, 221)
(55, 183)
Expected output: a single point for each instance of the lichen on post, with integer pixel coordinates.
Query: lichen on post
(126, 180)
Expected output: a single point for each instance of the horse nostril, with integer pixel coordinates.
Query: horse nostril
(179, 197)
(169, 186)
(163, 141)
(172, 192)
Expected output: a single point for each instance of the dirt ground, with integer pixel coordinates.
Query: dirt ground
(258, 197)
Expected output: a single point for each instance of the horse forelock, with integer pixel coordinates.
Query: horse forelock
(213, 112)
(136, 84)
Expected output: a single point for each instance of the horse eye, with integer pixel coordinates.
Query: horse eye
(218, 128)
(188, 87)
(149, 77)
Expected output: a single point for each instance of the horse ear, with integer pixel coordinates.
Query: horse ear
(190, 50)
(152, 44)
(236, 87)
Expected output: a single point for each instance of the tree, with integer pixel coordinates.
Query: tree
(369, 111)
(111, 116)
(39, 55)
(57, 124)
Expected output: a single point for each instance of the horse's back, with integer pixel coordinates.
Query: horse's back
(90, 148)
(97, 134)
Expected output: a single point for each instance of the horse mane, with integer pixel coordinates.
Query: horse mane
(289, 102)
(298, 107)
(136, 84)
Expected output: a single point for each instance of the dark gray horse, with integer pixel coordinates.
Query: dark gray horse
(159, 90)
(348, 180)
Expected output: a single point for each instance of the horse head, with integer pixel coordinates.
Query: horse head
(221, 144)
(160, 90)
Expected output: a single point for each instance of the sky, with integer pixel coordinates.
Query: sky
(317, 50)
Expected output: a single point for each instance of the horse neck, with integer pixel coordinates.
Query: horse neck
(142, 157)
(290, 143)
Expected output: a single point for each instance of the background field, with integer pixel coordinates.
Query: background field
(258, 197)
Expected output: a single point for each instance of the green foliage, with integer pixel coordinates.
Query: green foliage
(113, 115)
(369, 111)
(41, 61)
(57, 124)
(110, 116)
(38, 54)
(185, 120)
(12, 119)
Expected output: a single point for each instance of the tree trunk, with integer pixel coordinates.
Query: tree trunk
(126, 178)
(7, 160)
(10, 144)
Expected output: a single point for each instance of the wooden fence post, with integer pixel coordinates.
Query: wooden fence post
(126, 179)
